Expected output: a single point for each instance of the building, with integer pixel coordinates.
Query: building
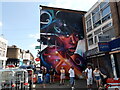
(16, 55)
(102, 28)
(3, 50)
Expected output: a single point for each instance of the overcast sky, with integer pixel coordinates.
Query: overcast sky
(19, 19)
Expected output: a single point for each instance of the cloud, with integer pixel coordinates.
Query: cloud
(27, 1)
(34, 44)
(35, 36)
(83, 5)
(0, 24)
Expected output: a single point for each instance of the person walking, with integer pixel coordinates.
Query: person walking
(72, 76)
(62, 76)
(44, 72)
(89, 76)
(97, 74)
(52, 74)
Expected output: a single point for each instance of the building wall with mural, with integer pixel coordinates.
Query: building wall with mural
(61, 31)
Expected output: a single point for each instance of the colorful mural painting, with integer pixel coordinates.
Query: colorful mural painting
(62, 31)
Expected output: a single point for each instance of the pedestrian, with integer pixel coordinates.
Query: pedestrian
(97, 74)
(44, 72)
(62, 76)
(72, 76)
(89, 76)
(52, 74)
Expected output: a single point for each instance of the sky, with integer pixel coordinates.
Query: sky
(20, 19)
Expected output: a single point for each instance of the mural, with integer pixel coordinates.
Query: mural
(62, 32)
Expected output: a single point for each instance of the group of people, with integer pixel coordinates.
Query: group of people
(49, 75)
(96, 75)
(71, 75)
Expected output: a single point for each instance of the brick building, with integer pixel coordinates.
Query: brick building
(102, 27)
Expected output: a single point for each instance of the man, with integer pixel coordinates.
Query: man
(72, 76)
(89, 76)
(52, 74)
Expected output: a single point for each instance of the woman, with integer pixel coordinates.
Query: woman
(97, 73)
(44, 72)
(62, 76)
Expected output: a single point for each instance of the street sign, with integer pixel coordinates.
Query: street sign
(37, 59)
(37, 47)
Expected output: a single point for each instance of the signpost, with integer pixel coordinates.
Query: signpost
(37, 59)
(37, 47)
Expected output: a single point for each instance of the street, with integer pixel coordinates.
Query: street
(79, 84)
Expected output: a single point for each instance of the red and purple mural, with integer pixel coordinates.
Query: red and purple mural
(61, 30)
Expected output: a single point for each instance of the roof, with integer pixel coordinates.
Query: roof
(62, 9)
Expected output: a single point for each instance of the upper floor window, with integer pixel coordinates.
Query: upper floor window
(96, 17)
(88, 17)
(97, 31)
(105, 11)
(90, 39)
(95, 10)
(88, 23)
(106, 26)
(102, 4)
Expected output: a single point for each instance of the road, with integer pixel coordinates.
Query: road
(79, 85)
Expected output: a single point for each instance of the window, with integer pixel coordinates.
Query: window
(3, 54)
(95, 39)
(88, 17)
(102, 4)
(95, 10)
(97, 31)
(88, 23)
(97, 24)
(0, 52)
(106, 26)
(90, 41)
(90, 35)
(89, 29)
(105, 11)
(96, 17)
(106, 18)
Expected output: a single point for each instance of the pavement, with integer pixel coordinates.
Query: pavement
(79, 85)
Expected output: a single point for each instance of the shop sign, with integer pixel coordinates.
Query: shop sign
(103, 46)
(115, 44)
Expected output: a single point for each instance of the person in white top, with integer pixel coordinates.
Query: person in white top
(97, 74)
(89, 76)
(72, 76)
